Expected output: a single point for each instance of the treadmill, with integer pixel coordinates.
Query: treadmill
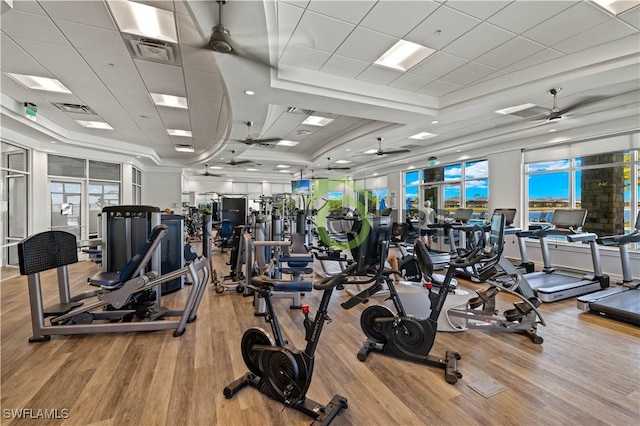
(553, 284)
(621, 302)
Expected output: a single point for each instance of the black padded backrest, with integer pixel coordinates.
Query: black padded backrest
(46, 250)
(423, 258)
(136, 264)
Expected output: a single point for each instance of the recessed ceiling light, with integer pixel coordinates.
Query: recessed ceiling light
(375, 174)
(215, 167)
(516, 108)
(282, 166)
(371, 151)
(252, 170)
(95, 124)
(435, 122)
(169, 100)
(53, 142)
(552, 130)
(177, 132)
(249, 92)
(422, 136)
(40, 83)
(314, 120)
(143, 20)
(284, 171)
(184, 148)
(348, 149)
(287, 143)
(458, 150)
(617, 6)
(343, 161)
(403, 55)
(138, 156)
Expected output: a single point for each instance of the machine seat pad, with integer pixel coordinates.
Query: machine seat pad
(303, 286)
(296, 258)
(107, 279)
(296, 270)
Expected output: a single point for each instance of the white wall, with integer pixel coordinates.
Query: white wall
(506, 182)
(40, 200)
(163, 190)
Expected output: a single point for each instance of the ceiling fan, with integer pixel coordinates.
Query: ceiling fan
(206, 172)
(556, 113)
(220, 40)
(249, 140)
(380, 152)
(329, 168)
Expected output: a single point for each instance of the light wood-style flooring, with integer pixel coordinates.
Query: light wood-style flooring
(587, 372)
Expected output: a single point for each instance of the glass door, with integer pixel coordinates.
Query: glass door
(66, 207)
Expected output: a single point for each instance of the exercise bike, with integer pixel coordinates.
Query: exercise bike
(281, 373)
(407, 337)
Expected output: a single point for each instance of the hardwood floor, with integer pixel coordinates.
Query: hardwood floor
(587, 371)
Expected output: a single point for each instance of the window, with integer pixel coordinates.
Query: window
(66, 166)
(136, 194)
(476, 187)
(601, 184)
(15, 190)
(411, 197)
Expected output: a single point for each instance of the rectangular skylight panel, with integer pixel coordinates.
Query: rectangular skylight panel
(282, 166)
(516, 108)
(144, 20)
(343, 162)
(40, 83)
(95, 124)
(184, 148)
(618, 6)
(178, 132)
(371, 151)
(287, 143)
(404, 55)
(169, 101)
(422, 136)
(314, 120)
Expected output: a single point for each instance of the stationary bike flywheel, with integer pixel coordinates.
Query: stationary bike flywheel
(373, 329)
(285, 380)
(250, 338)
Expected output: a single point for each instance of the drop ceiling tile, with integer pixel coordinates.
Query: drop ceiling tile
(298, 3)
(345, 67)
(478, 40)
(160, 4)
(320, 32)
(28, 6)
(437, 65)
(438, 88)
(365, 45)
(608, 31)
(631, 17)
(468, 73)
(147, 109)
(491, 76)
(188, 33)
(161, 78)
(397, 18)
(197, 78)
(304, 57)
(346, 10)
(567, 23)
(512, 51)
(198, 59)
(104, 62)
(478, 9)
(411, 82)
(93, 38)
(174, 118)
(378, 75)
(48, 52)
(15, 60)
(181, 8)
(519, 16)
(451, 24)
(125, 88)
(93, 13)
(545, 55)
(32, 27)
(288, 18)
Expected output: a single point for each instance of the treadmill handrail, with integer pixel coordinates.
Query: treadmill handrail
(582, 238)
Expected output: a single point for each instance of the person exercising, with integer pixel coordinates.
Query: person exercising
(427, 217)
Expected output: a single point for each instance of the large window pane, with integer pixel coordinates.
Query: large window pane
(451, 199)
(547, 192)
(412, 199)
(65, 166)
(453, 172)
(102, 170)
(14, 157)
(477, 196)
(412, 178)
(476, 169)
(101, 195)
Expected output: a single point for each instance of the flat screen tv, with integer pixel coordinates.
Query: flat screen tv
(302, 186)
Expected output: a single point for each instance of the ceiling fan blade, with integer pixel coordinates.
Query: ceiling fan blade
(236, 163)
(211, 175)
(582, 103)
(337, 168)
(395, 151)
(261, 141)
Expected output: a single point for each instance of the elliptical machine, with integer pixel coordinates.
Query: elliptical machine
(407, 337)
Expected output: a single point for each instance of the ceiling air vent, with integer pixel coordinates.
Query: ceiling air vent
(300, 111)
(152, 50)
(74, 108)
